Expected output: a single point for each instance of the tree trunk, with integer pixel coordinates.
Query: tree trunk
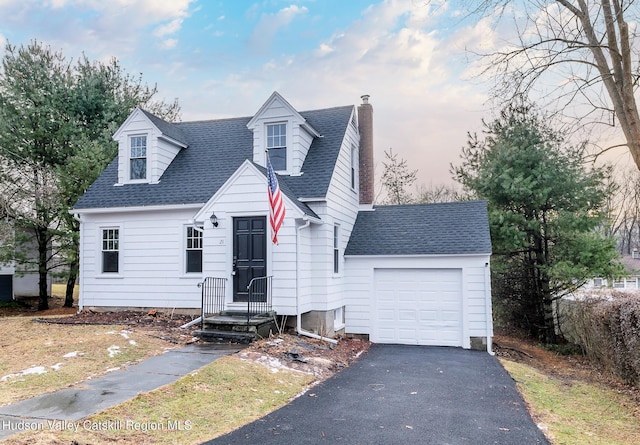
(43, 244)
(71, 282)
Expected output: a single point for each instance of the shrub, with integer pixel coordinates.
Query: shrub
(607, 328)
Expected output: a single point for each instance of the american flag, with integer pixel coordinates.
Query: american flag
(276, 205)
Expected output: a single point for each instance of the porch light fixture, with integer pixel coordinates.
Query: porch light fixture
(214, 219)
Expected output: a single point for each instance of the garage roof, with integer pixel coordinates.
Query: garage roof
(452, 228)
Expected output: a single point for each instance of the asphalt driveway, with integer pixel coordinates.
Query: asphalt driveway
(403, 395)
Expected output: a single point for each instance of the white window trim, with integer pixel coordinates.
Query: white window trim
(335, 241)
(100, 264)
(184, 251)
(287, 146)
(128, 160)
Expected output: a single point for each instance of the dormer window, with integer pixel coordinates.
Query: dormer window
(277, 145)
(138, 158)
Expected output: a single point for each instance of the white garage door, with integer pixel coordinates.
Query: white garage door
(418, 306)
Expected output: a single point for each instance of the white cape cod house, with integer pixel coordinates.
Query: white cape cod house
(186, 201)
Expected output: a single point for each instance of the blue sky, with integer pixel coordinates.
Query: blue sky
(224, 58)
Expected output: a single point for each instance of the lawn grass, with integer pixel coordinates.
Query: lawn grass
(205, 404)
(28, 345)
(59, 290)
(575, 412)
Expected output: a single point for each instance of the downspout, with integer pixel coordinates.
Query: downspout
(298, 313)
(487, 299)
(81, 264)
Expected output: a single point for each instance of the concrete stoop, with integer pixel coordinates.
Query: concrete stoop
(232, 326)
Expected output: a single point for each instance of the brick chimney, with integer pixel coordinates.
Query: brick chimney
(365, 127)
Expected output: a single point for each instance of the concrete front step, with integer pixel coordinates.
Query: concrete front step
(217, 336)
(232, 326)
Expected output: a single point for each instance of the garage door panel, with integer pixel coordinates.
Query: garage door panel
(418, 306)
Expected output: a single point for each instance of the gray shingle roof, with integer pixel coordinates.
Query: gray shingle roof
(216, 149)
(422, 229)
(167, 128)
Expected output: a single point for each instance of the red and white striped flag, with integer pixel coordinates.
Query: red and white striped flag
(276, 205)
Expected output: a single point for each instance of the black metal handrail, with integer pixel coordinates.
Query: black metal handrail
(213, 296)
(259, 296)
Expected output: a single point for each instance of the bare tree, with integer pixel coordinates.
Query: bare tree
(581, 56)
(438, 193)
(396, 178)
(623, 209)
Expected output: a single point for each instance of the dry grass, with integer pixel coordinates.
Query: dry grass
(27, 345)
(206, 404)
(576, 412)
(59, 290)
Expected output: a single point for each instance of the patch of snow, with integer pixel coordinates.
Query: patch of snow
(57, 366)
(132, 342)
(9, 376)
(71, 354)
(124, 334)
(32, 370)
(113, 350)
(110, 332)
(112, 369)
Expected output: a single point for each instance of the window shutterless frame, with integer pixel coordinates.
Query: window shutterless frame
(110, 250)
(138, 157)
(277, 145)
(193, 253)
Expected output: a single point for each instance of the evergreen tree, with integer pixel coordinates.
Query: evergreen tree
(545, 214)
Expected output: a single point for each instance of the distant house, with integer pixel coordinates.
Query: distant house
(186, 201)
(21, 281)
(630, 282)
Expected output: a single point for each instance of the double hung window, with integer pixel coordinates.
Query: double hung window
(194, 250)
(110, 250)
(138, 158)
(277, 145)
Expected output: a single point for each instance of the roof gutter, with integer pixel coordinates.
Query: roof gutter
(299, 329)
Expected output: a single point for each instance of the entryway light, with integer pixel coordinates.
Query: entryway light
(214, 219)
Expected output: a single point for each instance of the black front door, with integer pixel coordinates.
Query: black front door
(249, 253)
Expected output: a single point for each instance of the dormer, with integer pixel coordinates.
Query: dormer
(279, 129)
(146, 147)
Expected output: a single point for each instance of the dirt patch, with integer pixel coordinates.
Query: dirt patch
(154, 323)
(28, 307)
(571, 367)
(317, 357)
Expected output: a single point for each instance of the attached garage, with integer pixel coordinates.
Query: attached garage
(419, 275)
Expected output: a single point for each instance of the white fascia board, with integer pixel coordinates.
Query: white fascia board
(172, 141)
(321, 199)
(153, 208)
(444, 255)
(125, 124)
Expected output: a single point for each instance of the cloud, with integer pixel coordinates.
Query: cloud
(106, 27)
(168, 44)
(169, 28)
(269, 25)
(422, 108)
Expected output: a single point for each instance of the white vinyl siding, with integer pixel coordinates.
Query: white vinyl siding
(151, 261)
